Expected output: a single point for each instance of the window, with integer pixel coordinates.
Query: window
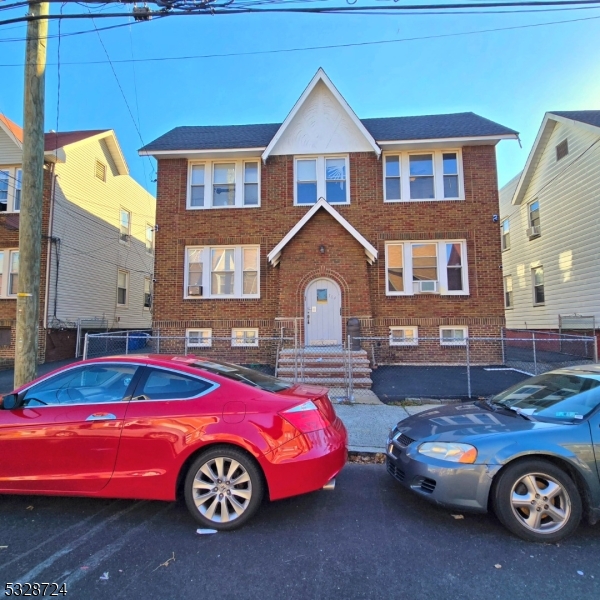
(223, 184)
(5, 336)
(453, 336)
(534, 220)
(100, 171)
(433, 175)
(321, 177)
(505, 232)
(147, 292)
(125, 226)
(537, 275)
(222, 272)
(404, 336)
(93, 384)
(508, 292)
(562, 149)
(198, 338)
(168, 385)
(122, 287)
(13, 274)
(244, 337)
(426, 267)
(149, 238)
(10, 189)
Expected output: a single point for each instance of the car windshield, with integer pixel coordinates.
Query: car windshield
(244, 375)
(553, 395)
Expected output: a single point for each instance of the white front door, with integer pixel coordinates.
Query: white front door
(323, 313)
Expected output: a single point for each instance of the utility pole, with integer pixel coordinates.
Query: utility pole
(30, 218)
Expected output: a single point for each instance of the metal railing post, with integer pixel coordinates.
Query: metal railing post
(85, 347)
(502, 342)
(158, 341)
(468, 366)
(127, 342)
(295, 349)
(595, 342)
(535, 372)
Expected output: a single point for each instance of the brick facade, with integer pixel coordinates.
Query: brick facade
(363, 286)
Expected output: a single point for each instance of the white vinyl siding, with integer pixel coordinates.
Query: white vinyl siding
(569, 246)
(419, 176)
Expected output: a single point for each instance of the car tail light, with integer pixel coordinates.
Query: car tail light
(305, 417)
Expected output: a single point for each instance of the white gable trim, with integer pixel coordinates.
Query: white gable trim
(275, 255)
(546, 129)
(321, 76)
(11, 135)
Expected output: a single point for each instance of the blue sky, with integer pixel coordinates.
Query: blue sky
(512, 77)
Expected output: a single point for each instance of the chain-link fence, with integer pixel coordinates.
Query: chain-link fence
(374, 369)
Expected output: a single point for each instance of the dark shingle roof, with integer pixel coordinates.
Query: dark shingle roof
(383, 129)
(591, 117)
(54, 140)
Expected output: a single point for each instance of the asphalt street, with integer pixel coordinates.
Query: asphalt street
(367, 539)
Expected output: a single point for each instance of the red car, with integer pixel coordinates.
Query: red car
(146, 427)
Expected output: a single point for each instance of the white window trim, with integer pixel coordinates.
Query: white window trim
(6, 273)
(236, 344)
(151, 227)
(438, 175)
(127, 288)
(121, 241)
(529, 213)
(463, 342)
(321, 177)
(208, 183)
(147, 308)
(506, 306)
(206, 340)
(533, 269)
(12, 189)
(502, 244)
(206, 273)
(442, 283)
(414, 341)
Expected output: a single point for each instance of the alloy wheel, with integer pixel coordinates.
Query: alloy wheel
(222, 489)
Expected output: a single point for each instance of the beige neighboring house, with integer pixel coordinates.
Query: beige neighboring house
(98, 232)
(550, 224)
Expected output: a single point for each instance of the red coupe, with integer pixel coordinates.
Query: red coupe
(146, 427)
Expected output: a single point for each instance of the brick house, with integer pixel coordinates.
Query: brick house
(327, 217)
(97, 249)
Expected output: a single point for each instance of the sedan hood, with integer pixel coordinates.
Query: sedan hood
(457, 421)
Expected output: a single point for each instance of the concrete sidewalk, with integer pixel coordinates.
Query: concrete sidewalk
(369, 425)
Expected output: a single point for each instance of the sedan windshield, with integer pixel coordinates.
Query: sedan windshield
(552, 395)
(244, 375)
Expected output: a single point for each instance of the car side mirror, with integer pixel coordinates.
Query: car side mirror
(10, 401)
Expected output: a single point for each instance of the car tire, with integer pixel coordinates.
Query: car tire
(537, 501)
(223, 488)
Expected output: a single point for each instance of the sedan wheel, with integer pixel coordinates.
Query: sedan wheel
(537, 501)
(223, 488)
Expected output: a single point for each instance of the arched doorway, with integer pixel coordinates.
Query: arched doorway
(323, 313)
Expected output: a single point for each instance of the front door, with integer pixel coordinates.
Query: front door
(323, 313)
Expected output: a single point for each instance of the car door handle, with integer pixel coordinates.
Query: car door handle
(101, 417)
(141, 397)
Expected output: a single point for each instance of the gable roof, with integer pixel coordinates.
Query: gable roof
(12, 129)
(275, 255)
(54, 140)
(589, 119)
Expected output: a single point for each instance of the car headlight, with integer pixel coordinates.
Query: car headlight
(450, 451)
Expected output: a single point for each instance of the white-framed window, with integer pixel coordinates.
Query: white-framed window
(508, 292)
(505, 233)
(124, 226)
(122, 287)
(9, 273)
(321, 177)
(149, 238)
(453, 336)
(222, 272)
(223, 184)
(534, 213)
(537, 280)
(244, 337)
(147, 293)
(100, 171)
(404, 336)
(198, 338)
(426, 267)
(10, 189)
(423, 175)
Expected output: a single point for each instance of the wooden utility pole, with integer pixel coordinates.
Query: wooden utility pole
(30, 218)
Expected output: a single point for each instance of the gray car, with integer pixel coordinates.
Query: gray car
(531, 454)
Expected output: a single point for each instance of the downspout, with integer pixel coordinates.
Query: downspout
(49, 251)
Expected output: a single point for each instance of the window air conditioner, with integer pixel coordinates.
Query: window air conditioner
(194, 290)
(125, 237)
(427, 286)
(534, 232)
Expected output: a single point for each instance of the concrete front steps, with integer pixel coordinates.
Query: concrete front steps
(325, 365)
